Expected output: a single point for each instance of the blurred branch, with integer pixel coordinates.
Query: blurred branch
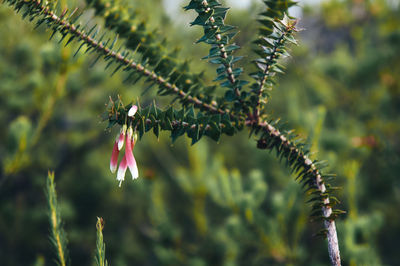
(58, 236)
(100, 246)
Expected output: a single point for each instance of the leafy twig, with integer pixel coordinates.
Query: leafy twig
(100, 256)
(310, 175)
(58, 236)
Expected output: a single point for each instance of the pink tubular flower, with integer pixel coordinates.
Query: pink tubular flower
(122, 170)
(114, 157)
(132, 111)
(121, 138)
(130, 159)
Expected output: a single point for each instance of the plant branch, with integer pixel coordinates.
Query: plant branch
(270, 61)
(223, 53)
(211, 16)
(178, 122)
(36, 7)
(211, 120)
(138, 37)
(310, 175)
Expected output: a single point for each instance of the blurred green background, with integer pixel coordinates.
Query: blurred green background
(209, 204)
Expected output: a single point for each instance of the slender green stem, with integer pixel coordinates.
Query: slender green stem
(57, 232)
(223, 53)
(100, 256)
(270, 62)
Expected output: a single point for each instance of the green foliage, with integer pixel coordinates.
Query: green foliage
(350, 80)
(58, 235)
(341, 89)
(271, 49)
(274, 10)
(220, 216)
(64, 23)
(152, 50)
(276, 29)
(211, 16)
(178, 122)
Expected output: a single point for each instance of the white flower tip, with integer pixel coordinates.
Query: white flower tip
(120, 175)
(132, 111)
(113, 168)
(136, 176)
(134, 172)
(120, 182)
